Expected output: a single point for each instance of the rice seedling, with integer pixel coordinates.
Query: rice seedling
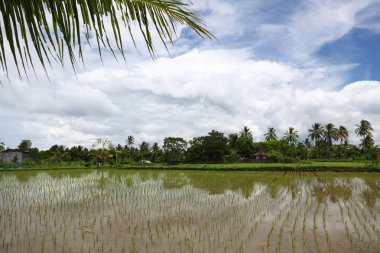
(176, 211)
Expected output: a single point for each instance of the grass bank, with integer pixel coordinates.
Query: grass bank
(301, 166)
(353, 166)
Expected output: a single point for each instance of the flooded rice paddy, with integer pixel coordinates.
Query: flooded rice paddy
(185, 211)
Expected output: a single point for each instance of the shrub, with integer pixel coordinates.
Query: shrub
(232, 157)
(275, 156)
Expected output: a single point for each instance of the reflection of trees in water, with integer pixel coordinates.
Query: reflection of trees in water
(190, 210)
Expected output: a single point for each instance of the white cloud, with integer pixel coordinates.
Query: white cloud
(65, 98)
(188, 96)
(222, 17)
(314, 24)
(218, 85)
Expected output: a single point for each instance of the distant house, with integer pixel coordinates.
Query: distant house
(261, 155)
(13, 156)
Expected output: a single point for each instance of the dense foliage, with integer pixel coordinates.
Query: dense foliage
(322, 143)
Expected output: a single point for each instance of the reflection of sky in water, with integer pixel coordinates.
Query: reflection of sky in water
(43, 187)
(211, 212)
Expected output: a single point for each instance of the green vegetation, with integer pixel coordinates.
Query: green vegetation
(2, 146)
(312, 166)
(25, 145)
(237, 151)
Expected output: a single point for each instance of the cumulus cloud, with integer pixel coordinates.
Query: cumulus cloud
(189, 95)
(65, 99)
(220, 85)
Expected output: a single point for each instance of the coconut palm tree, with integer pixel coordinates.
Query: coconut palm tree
(331, 133)
(246, 132)
(343, 135)
(58, 155)
(308, 146)
(52, 28)
(291, 135)
(367, 142)
(307, 143)
(316, 132)
(103, 154)
(103, 143)
(144, 149)
(155, 151)
(364, 131)
(130, 141)
(271, 134)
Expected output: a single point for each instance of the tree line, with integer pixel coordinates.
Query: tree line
(323, 142)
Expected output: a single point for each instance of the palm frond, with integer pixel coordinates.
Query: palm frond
(53, 27)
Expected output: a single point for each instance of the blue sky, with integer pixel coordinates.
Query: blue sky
(359, 46)
(274, 64)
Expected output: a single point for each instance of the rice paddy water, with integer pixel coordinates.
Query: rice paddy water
(189, 211)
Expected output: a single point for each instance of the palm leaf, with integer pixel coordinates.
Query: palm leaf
(51, 28)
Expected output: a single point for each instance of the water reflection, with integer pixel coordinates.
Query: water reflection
(185, 211)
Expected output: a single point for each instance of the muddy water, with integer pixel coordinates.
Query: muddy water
(178, 211)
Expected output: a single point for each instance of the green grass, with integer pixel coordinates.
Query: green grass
(305, 165)
(344, 166)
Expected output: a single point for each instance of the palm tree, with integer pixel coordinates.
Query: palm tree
(58, 155)
(291, 135)
(271, 134)
(331, 133)
(155, 151)
(130, 141)
(364, 131)
(103, 143)
(307, 145)
(2, 146)
(52, 27)
(343, 135)
(246, 132)
(102, 153)
(144, 148)
(118, 154)
(367, 142)
(316, 132)
(232, 139)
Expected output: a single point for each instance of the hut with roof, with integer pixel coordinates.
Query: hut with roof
(261, 155)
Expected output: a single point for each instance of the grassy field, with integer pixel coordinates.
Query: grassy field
(305, 166)
(335, 166)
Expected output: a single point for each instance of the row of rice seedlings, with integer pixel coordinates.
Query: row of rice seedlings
(363, 227)
(371, 225)
(328, 241)
(353, 231)
(283, 224)
(277, 220)
(301, 206)
(98, 212)
(250, 232)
